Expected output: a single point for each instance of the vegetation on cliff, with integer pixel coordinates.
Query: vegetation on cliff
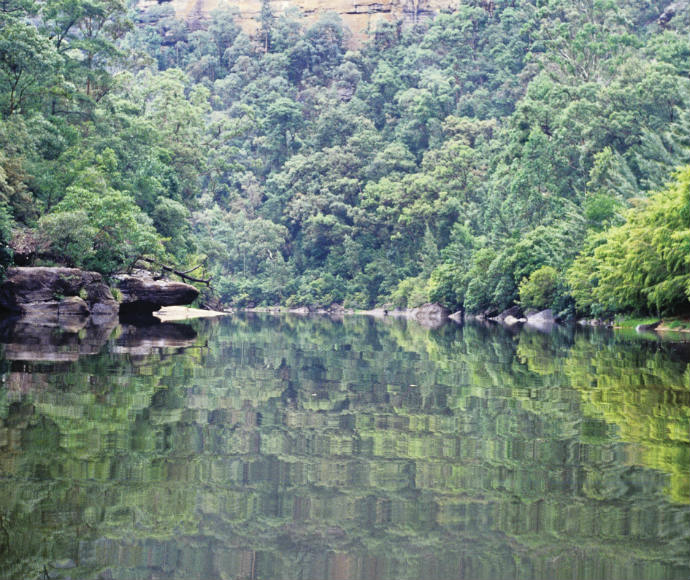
(468, 160)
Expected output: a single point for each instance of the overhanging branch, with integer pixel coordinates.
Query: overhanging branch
(184, 275)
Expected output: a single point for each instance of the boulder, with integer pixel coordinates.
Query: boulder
(55, 296)
(514, 313)
(431, 315)
(542, 317)
(142, 293)
(542, 321)
(28, 285)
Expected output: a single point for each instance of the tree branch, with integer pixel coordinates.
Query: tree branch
(183, 275)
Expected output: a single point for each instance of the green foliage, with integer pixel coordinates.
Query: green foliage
(28, 64)
(443, 161)
(410, 292)
(100, 230)
(6, 223)
(539, 289)
(643, 264)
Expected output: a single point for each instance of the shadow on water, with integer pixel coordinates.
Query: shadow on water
(302, 447)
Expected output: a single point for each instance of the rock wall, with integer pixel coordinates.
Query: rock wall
(358, 15)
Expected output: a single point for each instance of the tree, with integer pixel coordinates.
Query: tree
(99, 229)
(539, 289)
(266, 23)
(6, 223)
(644, 264)
(28, 64)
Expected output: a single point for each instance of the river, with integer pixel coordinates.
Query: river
(287, 447)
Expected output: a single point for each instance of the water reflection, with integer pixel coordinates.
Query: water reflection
(287, 447)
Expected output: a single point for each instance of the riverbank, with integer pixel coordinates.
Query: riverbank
(666, 325)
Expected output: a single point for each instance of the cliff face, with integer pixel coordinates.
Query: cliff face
(358, 15)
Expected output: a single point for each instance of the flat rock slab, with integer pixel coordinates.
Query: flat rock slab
(173, 313)
(143, 293)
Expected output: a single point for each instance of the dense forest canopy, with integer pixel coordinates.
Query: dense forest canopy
(509, 152)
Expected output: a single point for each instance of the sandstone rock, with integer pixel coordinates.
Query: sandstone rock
(431, 311)
(359, 16)
(141, 293)
(514, 312)
(27, 285)
(50, 292)
(541, 317)
(542, 321)
(431, 315)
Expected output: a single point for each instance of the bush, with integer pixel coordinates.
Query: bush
(540, 289)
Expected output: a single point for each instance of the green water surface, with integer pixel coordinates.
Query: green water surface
(283, 447)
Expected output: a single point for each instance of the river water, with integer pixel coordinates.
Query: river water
(283, 447)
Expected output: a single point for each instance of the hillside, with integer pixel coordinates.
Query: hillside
(530, 154)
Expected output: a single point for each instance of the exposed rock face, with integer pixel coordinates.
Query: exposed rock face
(358, 15)
(56, 296)
(71, 298)
(141, 293)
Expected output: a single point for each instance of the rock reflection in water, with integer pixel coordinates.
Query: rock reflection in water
(24, 341)
(144, 340)
(31, 342)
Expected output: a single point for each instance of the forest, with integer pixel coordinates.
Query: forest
(533, 153)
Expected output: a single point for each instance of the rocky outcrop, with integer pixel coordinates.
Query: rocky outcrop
(70, 298)
(359, 16)
(63, 297)
(142, 293)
